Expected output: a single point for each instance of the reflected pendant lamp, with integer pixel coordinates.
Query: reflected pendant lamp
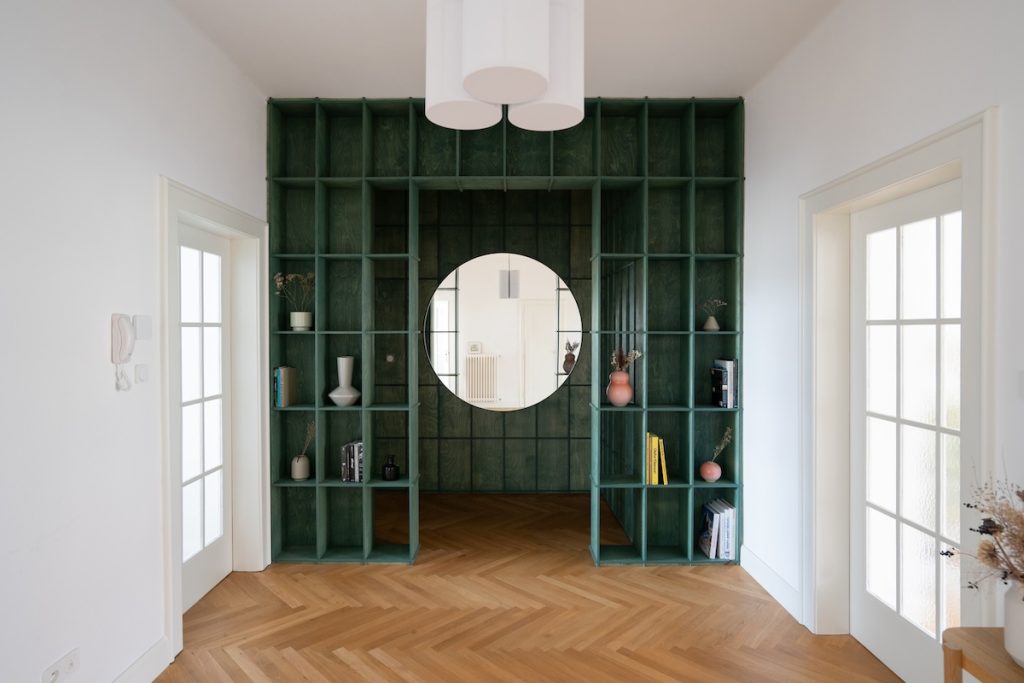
(505, 49)
(561, 105)
(447, 102)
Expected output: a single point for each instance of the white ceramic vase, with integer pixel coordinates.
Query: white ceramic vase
(301, 321)
(345, 394)
(300, 467)
(1013, 633)
(711, 324)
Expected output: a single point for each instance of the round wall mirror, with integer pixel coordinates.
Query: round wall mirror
(503, 332)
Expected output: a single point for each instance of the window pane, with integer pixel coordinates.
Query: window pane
(917, 276)
(213, 431)
(191, 442)
(191, 370)
(881, 557)
(211, 288)
(211, 361)
(951, 487)
(191, 519)
(881, 275)
(214, 483)
(917, 476)
(951, 268)
(881, 369)
(918, 385)
(951, 591)
(917, 578)
(190, 283)
(951, 376)
(881, 463)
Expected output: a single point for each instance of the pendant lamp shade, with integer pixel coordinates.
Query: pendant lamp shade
(447, 102)
(561, 105)
(505, 49)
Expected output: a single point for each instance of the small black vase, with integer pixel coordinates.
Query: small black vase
(390, 470)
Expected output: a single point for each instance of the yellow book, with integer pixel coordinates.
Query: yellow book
(647, 455)
(664, 468)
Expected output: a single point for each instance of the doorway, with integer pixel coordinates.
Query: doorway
(863, 523)
(215, 397)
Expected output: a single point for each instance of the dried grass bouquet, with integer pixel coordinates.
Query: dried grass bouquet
(1001, 549)
(297, 289)
(622, 360)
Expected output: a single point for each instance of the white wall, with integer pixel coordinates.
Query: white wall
(872, 78)
(99, 99)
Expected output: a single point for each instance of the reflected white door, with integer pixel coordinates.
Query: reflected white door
(205, 414)
(905, 346)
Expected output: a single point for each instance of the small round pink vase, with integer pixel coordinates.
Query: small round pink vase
(619, 390)
(710, 471)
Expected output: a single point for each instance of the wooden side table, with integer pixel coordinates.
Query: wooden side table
(979, 652)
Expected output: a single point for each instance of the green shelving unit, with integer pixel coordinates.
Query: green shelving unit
(361, 191)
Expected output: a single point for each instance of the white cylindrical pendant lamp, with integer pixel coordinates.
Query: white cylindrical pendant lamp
(505, 49)
(561, 105)
(447, 102)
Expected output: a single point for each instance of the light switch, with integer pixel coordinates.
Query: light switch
(141, 373)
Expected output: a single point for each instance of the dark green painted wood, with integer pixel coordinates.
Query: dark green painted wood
(642, 245)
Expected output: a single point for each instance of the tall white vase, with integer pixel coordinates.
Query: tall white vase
(345, 394)
(1013, 618)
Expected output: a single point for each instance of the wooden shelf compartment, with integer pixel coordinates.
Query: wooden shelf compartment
(341, 151)
(718, 138)
(718, 214)
(623, 137)
(436, 148)
(387, 124)
(292, 148)
(670, 138)
(668, 370)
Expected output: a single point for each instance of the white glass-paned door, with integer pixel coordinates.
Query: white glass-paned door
(905, 409)
(205, 518)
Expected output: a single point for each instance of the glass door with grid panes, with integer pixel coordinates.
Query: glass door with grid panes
(905, 427)
(205, 445)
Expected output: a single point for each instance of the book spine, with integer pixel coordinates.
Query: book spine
(664, 467)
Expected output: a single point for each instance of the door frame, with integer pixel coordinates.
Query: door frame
(249, 386)
(967, 151)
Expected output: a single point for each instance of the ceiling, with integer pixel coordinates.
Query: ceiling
(374, 48)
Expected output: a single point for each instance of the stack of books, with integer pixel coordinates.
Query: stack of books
(724, 383)
(718, 535)
(657, 472)
(352, 461)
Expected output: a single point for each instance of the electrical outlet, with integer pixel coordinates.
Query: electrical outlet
(62, 669)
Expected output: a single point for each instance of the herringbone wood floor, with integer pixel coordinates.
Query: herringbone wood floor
(504, 590)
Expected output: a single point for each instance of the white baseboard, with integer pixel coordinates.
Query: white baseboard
(150, 665)
(777, 587)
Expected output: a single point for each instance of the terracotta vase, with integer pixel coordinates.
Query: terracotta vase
(620, 392)
(710, 471)
(1013, 614)
(569, 362)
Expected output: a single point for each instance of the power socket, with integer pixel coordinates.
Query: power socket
(62, 668)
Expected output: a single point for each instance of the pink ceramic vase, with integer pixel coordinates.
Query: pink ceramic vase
(710, 471)
(619, 390)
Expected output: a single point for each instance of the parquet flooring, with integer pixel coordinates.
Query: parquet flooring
(504, 590)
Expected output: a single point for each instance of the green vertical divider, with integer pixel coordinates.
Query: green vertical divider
(644, 286)
(691, 248)
(319, 324)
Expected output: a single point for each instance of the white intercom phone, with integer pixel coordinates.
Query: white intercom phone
(122, 344)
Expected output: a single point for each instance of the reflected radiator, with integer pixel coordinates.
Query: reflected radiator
(482, 377)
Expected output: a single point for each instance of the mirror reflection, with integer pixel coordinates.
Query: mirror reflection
(503, 332)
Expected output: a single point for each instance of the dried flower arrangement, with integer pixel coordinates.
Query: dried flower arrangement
(570, 346)
(1002, 525)
(296, 288)
(622, 360)
(723, 444)
(310, 435)
(711, 307)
